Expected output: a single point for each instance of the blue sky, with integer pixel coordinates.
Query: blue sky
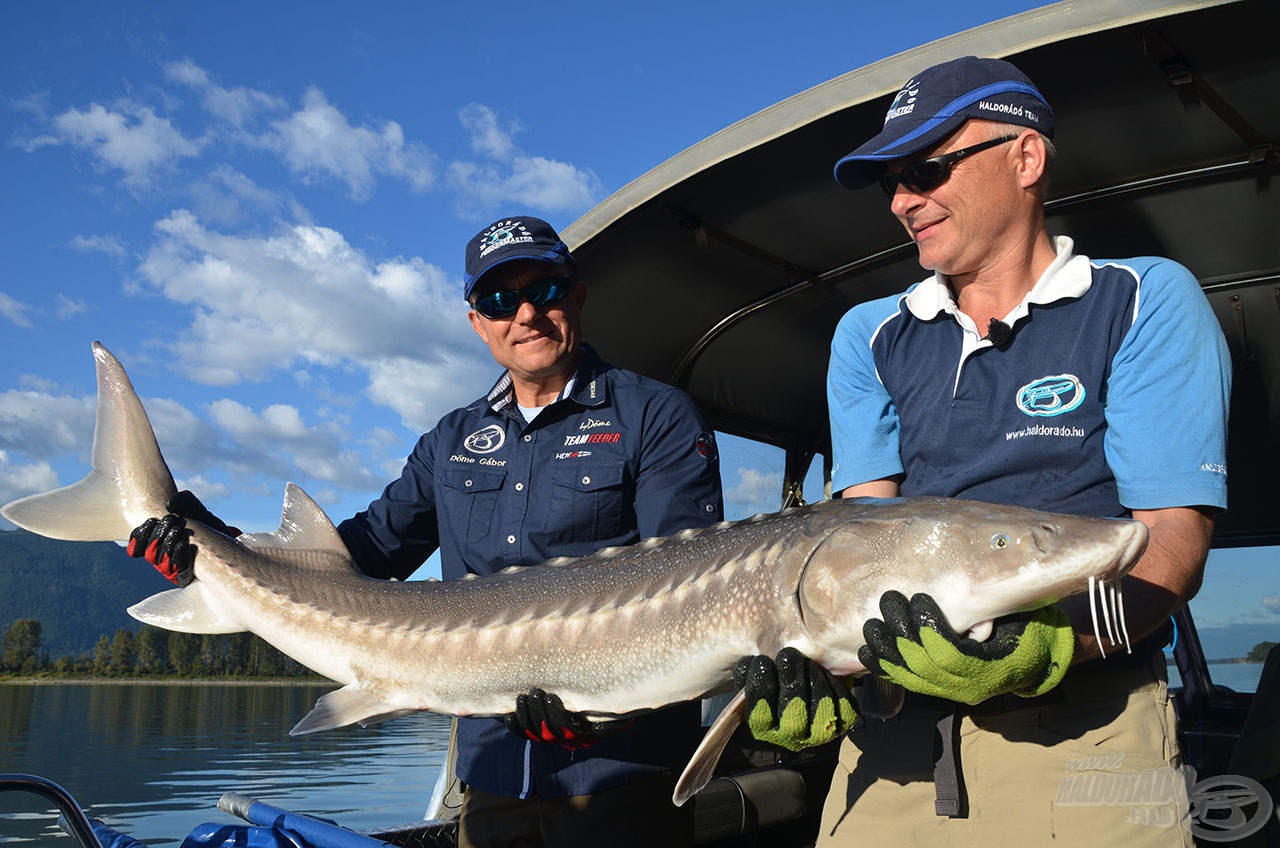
(261, 208)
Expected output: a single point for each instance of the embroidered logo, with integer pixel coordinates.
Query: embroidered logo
(592, 439)
(904, 103)
(486, 440)
(502, 234)
(573, 454)
(706, 445)
(592, 423)
(1051, 396)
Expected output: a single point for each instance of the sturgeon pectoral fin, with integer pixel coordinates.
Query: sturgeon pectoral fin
(348, 705)
(697, 773)
(880, 698)
(185, 610)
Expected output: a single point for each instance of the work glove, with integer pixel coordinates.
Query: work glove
(166, 542)
(793, 702)
(914, 646)
(541, 716)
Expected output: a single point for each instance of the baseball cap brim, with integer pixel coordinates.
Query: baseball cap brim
(864, 166)
(558, 255)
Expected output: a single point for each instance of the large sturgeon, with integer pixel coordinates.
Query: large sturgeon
(625, 630)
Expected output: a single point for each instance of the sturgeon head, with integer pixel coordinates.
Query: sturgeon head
(979, 561)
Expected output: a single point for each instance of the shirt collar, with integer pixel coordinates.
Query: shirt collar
(588, 386)
(1067, 276)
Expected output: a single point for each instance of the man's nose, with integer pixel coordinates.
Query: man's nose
(526, 312)
(905, 201)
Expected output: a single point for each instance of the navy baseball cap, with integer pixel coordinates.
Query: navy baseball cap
(508, 239)
(934, 104)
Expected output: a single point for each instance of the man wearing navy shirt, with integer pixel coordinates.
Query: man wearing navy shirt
(565, 455)
(1019, 372)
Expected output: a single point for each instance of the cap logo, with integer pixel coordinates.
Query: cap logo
(904, 103)
(1009, 110)
(503, 234)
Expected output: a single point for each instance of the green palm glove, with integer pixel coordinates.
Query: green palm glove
(793, 703)
(914, 646)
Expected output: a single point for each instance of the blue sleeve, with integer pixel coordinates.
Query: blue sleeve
(864, 422)
(398, 531)
(1168, 395)
(678, 473)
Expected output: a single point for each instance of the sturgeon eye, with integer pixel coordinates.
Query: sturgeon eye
(999, 542)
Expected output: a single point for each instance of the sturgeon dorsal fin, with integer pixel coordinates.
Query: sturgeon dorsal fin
(189, 610)
(349, 705)
(303, 527)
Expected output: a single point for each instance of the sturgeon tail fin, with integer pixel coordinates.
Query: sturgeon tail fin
(128, 483)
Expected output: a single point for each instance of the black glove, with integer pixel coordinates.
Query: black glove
(166, 542)
(914, 646)
(793, 703)
(541, 716)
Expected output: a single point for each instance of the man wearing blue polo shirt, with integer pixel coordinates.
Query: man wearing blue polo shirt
(1020, 372)
(563, 456)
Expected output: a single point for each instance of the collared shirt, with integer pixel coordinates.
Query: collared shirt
(1110, 395)
(616, 458)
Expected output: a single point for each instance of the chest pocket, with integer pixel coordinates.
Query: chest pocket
(475, 495)
(587, 499)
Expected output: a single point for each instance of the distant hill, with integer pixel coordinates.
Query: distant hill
(76, 590)
(1234, 640)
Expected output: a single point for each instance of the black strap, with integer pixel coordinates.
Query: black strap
(948, 781)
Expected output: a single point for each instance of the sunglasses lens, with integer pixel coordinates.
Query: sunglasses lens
(498, 304)
(926, 175)
(548, 291)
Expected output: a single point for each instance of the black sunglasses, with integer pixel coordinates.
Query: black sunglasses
(542, 293)
(930, 173)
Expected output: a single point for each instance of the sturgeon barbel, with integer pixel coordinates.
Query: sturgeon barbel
(623, 631)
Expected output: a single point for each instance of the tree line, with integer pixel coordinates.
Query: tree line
(150, 652)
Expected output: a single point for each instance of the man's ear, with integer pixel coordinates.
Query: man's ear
(477, 324)
(1033, 159)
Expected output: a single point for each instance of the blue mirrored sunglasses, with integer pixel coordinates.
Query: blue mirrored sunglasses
(542, 293)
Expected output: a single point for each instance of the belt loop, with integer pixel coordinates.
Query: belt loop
(948, 781)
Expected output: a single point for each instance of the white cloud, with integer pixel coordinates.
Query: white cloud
(755, 492)
(260, 306)
(318, 142)
(1271, 603)
(68, 306)
(237, 106)
(109, 245)
(512, 176)
(19, 480)
(41, 424)
(15, 310)
(129, 137)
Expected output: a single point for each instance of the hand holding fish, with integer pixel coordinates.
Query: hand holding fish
(541, 716)
(165, 542)
(793, 703)
(914, 646)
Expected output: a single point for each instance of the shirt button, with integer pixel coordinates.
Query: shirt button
(519, 487)
(711, 507)
(528, 438)
(511, 540)
(586, 481)
(469, 482)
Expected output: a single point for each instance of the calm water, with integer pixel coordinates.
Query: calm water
(152, 761)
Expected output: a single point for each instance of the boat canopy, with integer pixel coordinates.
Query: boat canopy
(725, 269)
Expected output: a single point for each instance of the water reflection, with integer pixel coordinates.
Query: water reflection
(152, 760)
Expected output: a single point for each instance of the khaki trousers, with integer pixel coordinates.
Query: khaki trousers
(638, 814)
(1094, 769)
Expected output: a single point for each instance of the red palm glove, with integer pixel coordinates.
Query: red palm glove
(541, 716)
